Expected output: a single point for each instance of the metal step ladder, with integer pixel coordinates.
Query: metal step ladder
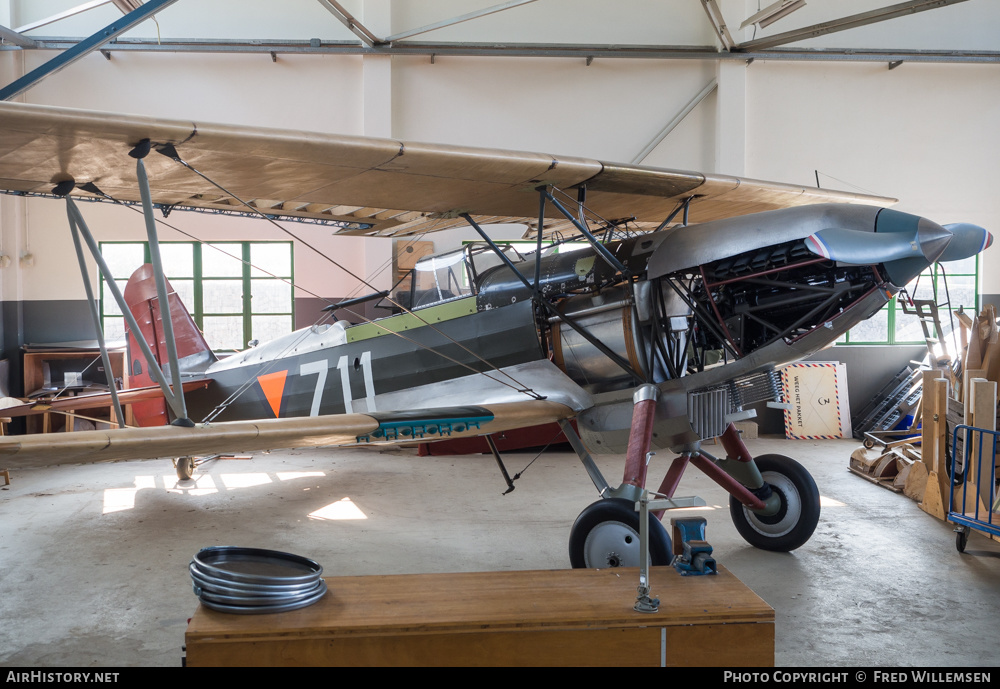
(928, 312)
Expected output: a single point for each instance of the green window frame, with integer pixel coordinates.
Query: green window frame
(891, 326)
(236, 292)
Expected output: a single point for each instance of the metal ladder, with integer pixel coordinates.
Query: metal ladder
(928, 313)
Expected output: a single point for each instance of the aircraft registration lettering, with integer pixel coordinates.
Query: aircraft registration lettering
(320, 368)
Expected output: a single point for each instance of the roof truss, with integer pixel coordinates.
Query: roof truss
(398, 44)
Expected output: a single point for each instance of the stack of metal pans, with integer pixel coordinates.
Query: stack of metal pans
(251, 581)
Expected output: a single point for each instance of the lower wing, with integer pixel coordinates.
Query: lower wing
(251, 436)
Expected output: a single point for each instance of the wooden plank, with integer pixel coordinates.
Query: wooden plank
(933, 448)
(916, 482)
(889, 483)
(968, 375)
(928, 411)
(559, 617)
(982, 415)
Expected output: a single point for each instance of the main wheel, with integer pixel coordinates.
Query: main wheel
(185, 468)
(795, 520)
(606, 534)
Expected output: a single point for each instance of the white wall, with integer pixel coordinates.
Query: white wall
(924, 133)
(921, 133)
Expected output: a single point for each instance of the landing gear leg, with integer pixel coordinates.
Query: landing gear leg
(606, 534)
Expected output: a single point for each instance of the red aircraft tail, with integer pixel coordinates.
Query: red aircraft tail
(193, 352)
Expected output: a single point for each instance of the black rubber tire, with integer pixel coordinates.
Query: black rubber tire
(783, 531)
(961, 539)
(185, 468)
(614, 523)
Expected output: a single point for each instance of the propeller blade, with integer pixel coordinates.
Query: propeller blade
(861, 247)
(968, 241)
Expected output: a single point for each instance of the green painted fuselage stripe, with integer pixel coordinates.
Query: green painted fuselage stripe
(408, 321)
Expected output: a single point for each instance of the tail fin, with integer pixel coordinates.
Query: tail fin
(193, 352)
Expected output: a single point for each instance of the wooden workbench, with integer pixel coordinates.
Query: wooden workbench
(541, 618)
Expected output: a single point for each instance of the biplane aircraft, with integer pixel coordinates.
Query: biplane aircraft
(660, 333)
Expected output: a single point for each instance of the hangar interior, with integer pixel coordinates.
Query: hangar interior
(896, 100)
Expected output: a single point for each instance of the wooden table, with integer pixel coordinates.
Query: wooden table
(536, 618)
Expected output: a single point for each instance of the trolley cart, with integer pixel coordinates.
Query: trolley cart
(973, 502)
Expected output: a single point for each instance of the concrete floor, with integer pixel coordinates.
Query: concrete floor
(93, 559)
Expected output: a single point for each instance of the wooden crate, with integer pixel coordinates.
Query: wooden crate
(580, 617)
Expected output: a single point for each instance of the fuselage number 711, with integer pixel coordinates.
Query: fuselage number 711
(320, 368)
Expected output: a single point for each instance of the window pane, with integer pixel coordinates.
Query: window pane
(271, 296)
(222, 296)
(966, 265)
(266, 328)
(123, 259)
(908, 327)
(114, 329)
(273, 257)
(108, 304)
(962, 291)
(178, 260)
(224, 332)
(921, 288)
(221, 260)
(951, 339)
(185, 290)
(875, 329)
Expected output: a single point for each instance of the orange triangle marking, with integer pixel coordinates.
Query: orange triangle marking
(273, 385)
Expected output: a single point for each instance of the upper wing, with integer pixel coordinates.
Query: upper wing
(248, 436)
(388, 186)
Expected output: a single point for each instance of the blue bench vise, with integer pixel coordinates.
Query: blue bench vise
(695, 556)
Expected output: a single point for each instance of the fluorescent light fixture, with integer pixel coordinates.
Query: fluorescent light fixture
(773, 13)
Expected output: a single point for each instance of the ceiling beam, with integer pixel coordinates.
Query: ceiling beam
(81, 49)
(348, 20)
(853, 21)
(458, 20)
(565, 50)
(15, 38)
(676, 120)
(718, 23)
(62, 15)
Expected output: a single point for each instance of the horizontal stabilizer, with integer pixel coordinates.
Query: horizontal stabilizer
(93, 401)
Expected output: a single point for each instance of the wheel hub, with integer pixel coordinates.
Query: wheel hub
(612, 544)
(785, 519)
(782, 509)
